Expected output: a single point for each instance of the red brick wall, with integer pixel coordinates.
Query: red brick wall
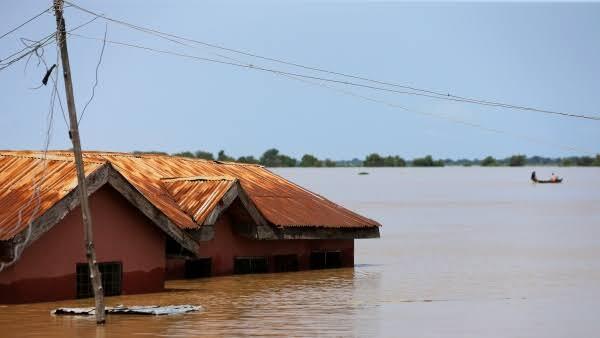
(227, 244)
(46, 270)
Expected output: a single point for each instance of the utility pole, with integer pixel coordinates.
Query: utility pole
(61, 40)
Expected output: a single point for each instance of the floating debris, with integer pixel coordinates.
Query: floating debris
(155, 310)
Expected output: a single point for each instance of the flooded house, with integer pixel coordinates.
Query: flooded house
(158, 217)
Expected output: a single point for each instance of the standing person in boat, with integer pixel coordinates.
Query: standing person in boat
(553, 178)
(533, 176)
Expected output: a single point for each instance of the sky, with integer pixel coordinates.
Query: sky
(543, 55)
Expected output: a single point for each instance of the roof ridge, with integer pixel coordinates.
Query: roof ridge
(213, 161)
(48, 157)
(87, 153)
(199, 178)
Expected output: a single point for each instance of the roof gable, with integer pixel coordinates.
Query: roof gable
(57, 194)
(198, 197)
(26, 181)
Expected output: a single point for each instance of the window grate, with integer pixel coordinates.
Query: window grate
(285, 263)
(245, 265)
(112, 277)
(325, 259)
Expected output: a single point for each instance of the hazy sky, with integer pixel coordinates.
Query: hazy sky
(541, 55)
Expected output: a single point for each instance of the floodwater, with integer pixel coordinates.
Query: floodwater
(465, 252)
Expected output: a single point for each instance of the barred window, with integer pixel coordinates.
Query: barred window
(284, 263)
(325, 259)
(244, 265)
(112, 278)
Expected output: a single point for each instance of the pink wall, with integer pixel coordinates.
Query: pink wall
(227, 244)
(46, 270)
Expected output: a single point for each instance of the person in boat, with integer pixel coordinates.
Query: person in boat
(533, 176)
(553, 178)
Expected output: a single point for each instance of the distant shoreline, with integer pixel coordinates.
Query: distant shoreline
(449, 166)
(272, 158)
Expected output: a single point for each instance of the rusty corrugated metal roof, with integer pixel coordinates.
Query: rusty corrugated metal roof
(187, 189)
(198, 197)
(19, 177)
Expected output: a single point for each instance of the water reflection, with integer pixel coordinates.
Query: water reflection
(325, 302)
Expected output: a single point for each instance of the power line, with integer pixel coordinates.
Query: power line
(147, 30)
(414, 90)
(306, 79)
(442, 116)
(55, 79)
(275, 71)
(28, 50)
(26, 22)
(96, 80)
(49, 36)
(27, 47)
(31, 49)
(374, 100)
(36, 187)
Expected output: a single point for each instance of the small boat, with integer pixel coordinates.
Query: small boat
(558, 180)
(363, 173)
(534, 179)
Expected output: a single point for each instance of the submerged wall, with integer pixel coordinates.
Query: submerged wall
(46, 270)
(227, 244)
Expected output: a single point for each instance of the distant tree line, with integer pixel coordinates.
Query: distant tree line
(273, 158)
(522, 160)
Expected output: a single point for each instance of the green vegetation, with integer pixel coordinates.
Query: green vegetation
(247, 159)
(376, 160)
(538, 160)
(221, 156)
(489, 162)
(198, 154)
(273, 158)
(583, 161)
(330, 163)
(373, 160)
(309, 160)
(517, 161)
(427, 161)
(566, 162)
(204, 155)
(149, 152)
(185, 154)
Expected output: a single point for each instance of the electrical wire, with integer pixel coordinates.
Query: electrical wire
(27, 47)
(306, 79)
(55, 79)
(23, 239)
(26, 22)
(30, 49)
(96, 80)
(275, 71)
(161, 35)
(445, 117)
(415, 91)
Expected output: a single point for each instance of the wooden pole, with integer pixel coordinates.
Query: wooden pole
(61, 39)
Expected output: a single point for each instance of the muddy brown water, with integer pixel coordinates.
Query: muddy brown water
(465, 252)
